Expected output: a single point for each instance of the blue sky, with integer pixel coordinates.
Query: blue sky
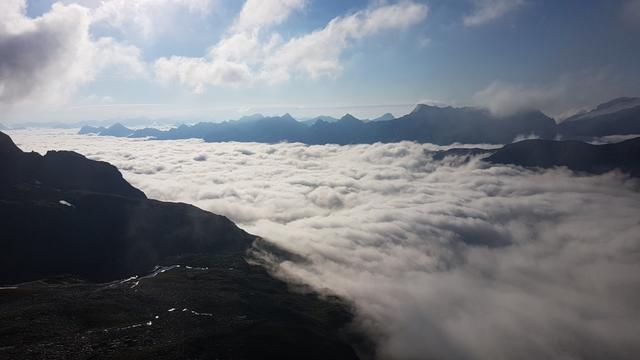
(215, 59)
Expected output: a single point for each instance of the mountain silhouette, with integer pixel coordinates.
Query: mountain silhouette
(575, 155)
(425, 124)
(64, 213)
(180, 285)
(617, 117)
(384, 117)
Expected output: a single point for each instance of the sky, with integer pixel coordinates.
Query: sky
(213, 60)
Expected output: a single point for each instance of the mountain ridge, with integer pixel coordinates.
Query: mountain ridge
(98, 270)
(424, 124)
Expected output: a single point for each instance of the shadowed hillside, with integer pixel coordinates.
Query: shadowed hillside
(179, 284)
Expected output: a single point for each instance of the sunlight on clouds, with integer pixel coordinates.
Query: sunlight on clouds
(46, 59)
(247, 56)
(258, 14)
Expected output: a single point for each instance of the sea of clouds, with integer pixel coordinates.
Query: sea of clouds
(443, 259)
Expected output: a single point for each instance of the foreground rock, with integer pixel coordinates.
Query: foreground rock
(91, 268)
(64, 214)
(211, 307)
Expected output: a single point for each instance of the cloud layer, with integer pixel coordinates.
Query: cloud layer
(448, 260)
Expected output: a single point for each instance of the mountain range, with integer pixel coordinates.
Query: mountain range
(425, 124)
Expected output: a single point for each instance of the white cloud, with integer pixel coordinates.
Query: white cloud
(318, 53)
(43, 56)
(487, 11)
(108, 52)
(197, 73)
(146, 17)
(447, 260)
(505, 98)
(270, 59)
(258, 14)
(46, 59)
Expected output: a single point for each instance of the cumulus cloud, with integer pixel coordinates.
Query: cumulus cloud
(247, 55)
(318, 53)
(197, 73)
(46, 59)
(443, 259)
(486, 11)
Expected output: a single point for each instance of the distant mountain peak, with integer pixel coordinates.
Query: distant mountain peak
(117, 129)
(287, 116)
(251, 118)
(423, 107)
(349, 117)
(384, 117)
(117, 126)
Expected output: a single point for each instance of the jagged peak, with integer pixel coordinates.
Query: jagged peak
(349, 117)
(287, 116)
(117, 126)
(385, 116)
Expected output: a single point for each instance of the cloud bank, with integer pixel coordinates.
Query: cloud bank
(447, 260)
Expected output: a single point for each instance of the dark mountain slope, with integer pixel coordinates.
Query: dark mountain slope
(347, 130)
(62, 170)
(63, 213)
(223, 308)
(63, 216)
(617, 117)
(575, 155)
(447, 125)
